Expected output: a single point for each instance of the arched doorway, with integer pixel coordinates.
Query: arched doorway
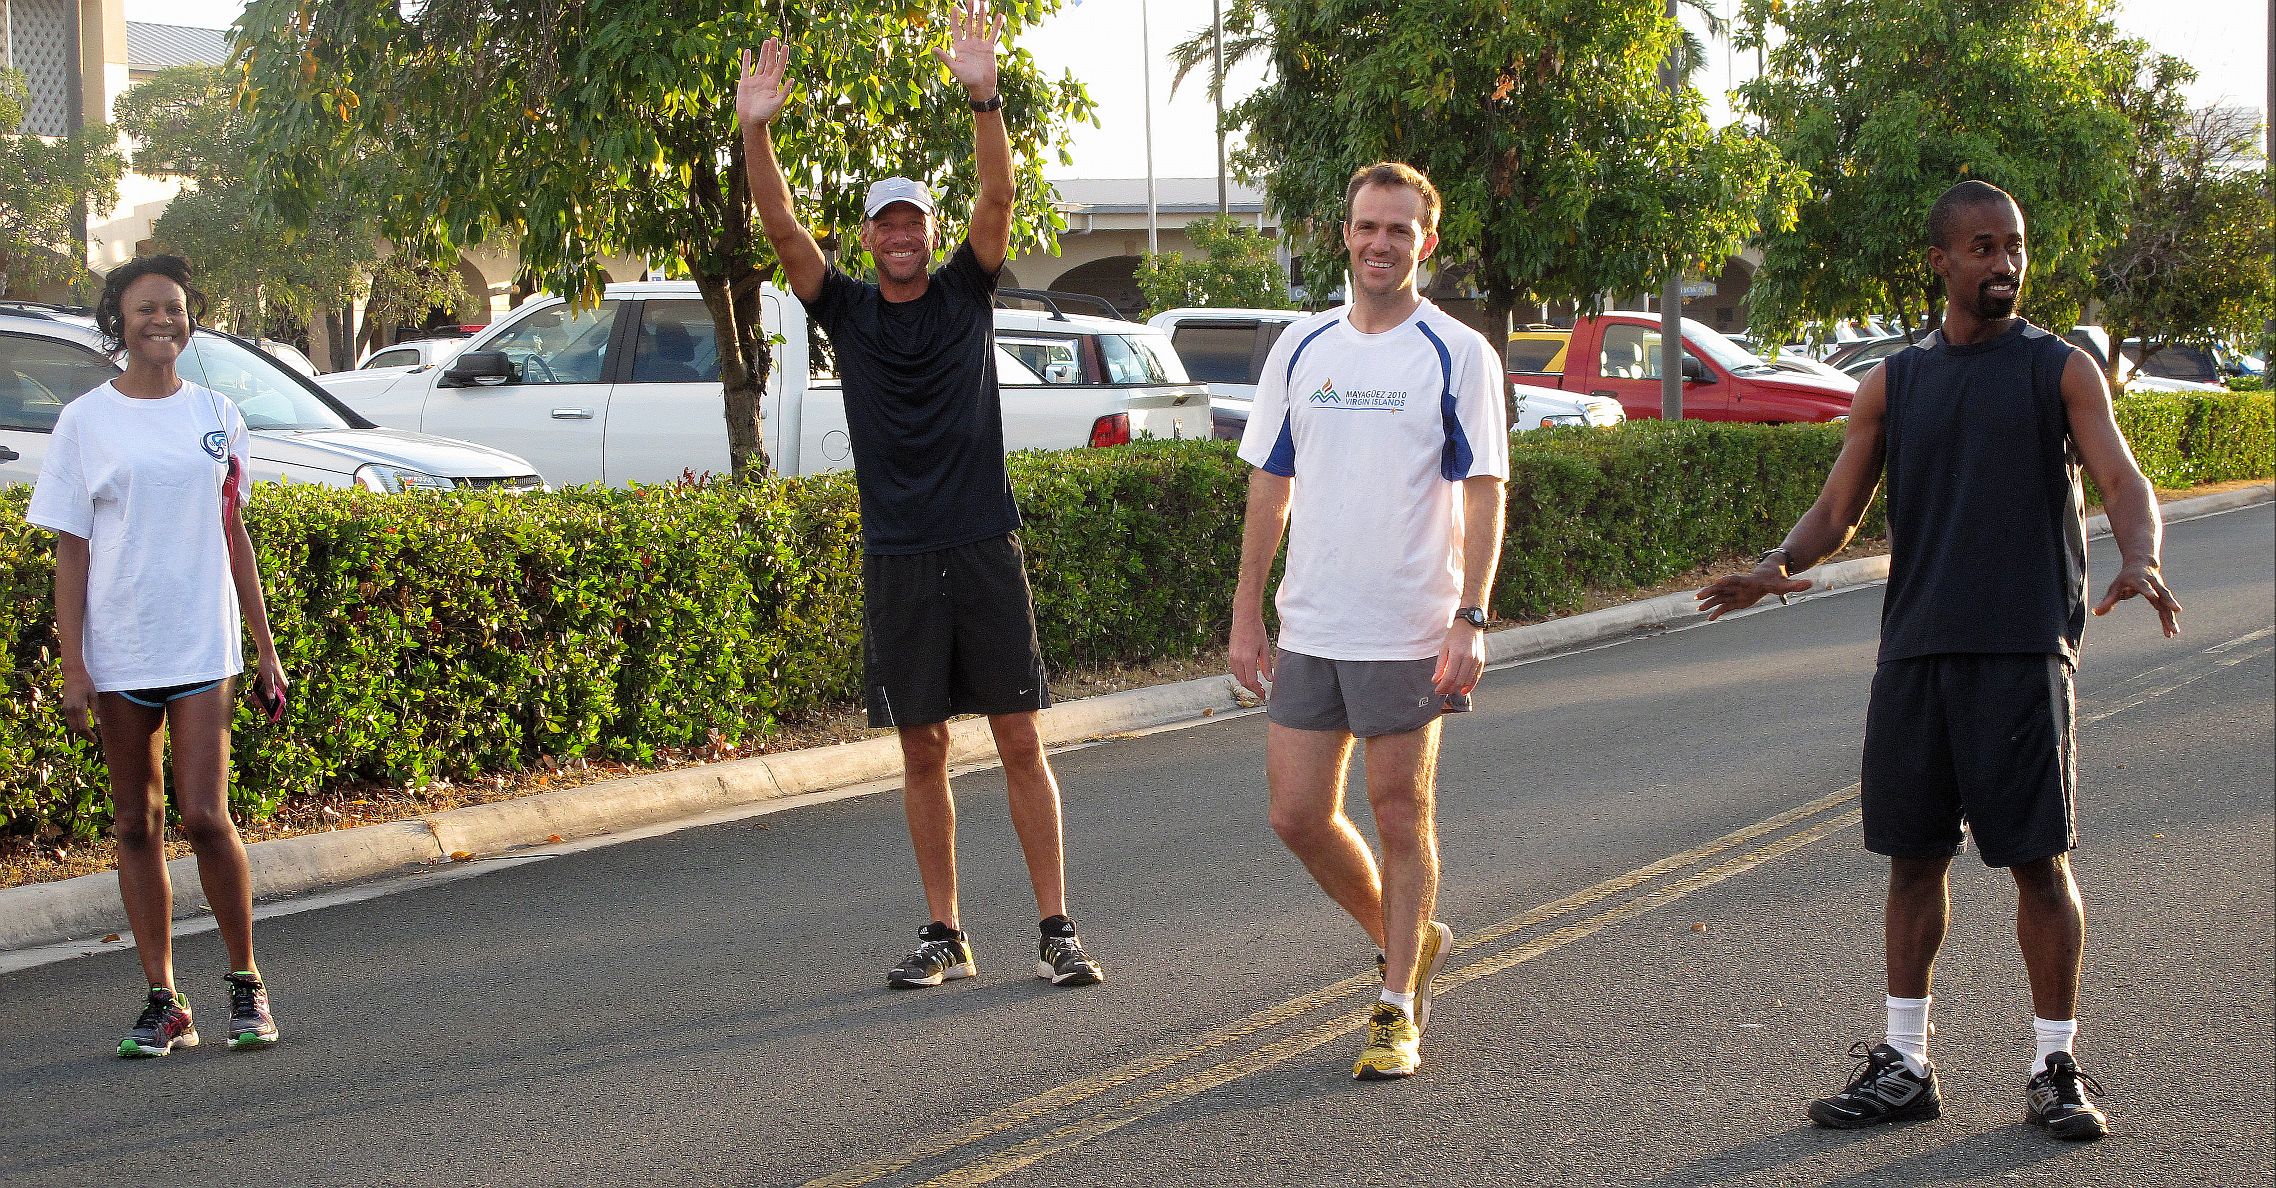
(1114, 278)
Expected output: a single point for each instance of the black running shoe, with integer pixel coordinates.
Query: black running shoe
(1883, 1090)
(2056, 1099)
(1060, 959)
(163, 1026)
(944, 956)
(250, 1025)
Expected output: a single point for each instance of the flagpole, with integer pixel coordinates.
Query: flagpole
(1146, 59)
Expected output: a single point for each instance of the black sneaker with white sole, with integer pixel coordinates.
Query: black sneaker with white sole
(1060, 959)
(1884, 1090)
(2056, 1099)
(943, 954)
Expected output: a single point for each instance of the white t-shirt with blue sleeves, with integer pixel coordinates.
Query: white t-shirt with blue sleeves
(1377, 431)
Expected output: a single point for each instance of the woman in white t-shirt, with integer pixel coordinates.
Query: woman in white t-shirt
(142, 485)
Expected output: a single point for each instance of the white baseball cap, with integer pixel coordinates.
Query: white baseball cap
(896, 189)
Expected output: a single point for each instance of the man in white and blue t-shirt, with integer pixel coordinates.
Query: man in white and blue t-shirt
(1380, 443)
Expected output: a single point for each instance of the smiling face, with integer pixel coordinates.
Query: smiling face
(155, 319)
(1386, 238)
(900, 239)
(1984, 259)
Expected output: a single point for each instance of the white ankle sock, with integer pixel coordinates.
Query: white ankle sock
(1405, 1002)
(1908, 1031)
(2054, 1035)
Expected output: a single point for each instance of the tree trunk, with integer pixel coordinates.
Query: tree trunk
(733, 301)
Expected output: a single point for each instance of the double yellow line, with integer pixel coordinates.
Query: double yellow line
(1729, 855)
(1108, 1118)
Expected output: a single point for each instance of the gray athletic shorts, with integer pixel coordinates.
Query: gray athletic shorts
(1358, 697)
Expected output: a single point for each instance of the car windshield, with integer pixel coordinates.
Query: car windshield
(1141, 358)
(1729, 355)
(260, 387)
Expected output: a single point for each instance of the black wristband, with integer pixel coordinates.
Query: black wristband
(991, 103)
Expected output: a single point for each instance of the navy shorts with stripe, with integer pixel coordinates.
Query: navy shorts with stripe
(1985, 739)
(950, 632)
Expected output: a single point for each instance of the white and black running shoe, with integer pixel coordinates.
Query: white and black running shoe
(1060, 959)
(943, 955)
(2056, 1099)
(1883, 1090)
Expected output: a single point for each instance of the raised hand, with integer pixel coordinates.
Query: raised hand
(760, 95)
(971, 51)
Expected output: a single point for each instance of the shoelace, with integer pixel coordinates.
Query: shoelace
(1063, 947)
(1382, 1029)
(1868, 1065)
(935, 952)
(154, 1012)
(2068, 1082)
(243, 997)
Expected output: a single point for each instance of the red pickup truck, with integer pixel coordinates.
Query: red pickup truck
(1618, 355)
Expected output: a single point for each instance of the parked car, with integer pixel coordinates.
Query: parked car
(1806, 365)
(287, 354)
(418, 352)
(1226, 349)
(2189, 361)
(628, 391)
(300, 434)
(1617, 356)
(1535, 350)
(1533, 407)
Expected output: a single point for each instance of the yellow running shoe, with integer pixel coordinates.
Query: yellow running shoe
(1437, 943)
(1394, 1047)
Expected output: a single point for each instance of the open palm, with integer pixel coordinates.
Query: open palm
(971, 52)
(760, 95)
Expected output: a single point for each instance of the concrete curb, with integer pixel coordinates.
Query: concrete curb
(48, 913)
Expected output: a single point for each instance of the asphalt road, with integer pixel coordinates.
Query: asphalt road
(1669, 936)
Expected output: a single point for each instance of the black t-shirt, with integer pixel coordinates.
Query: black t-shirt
(1987, 552)
(922, 407)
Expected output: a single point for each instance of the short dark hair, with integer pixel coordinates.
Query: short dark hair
(1951, 202)
(110, 319)
(1394, 173)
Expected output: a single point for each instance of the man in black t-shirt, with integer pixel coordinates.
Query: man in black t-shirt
(1980, 428)
(948, 625)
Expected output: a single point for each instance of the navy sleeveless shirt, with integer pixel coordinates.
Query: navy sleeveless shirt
(1987, 548)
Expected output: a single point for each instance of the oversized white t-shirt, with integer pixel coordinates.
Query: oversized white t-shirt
(1376, 431)
(141, 481)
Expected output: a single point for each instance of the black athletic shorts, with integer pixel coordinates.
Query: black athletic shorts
(950, 632)
(1985, 738)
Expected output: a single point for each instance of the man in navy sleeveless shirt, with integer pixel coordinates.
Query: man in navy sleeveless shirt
(1981, 428)
(948, 624)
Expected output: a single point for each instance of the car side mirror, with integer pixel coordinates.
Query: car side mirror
(1062, 372)
(1695, 371)
(479, 369)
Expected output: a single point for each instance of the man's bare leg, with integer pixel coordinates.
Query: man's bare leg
(1034, 795)
(1401, 772)
(1304, 771)
(932, 815)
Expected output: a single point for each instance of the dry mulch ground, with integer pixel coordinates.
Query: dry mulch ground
(29, 860)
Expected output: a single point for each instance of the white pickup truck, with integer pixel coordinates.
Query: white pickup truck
(628, 391)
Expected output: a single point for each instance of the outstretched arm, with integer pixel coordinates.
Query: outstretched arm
(1830, 522)
(759, 97)
(971, 58)
(2127, 497)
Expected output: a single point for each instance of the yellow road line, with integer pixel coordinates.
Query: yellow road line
(1021, 1112)
(1155, 1101)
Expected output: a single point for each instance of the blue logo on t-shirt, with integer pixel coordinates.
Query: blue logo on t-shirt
(217, 444)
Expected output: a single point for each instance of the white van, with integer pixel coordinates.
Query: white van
(628, 391)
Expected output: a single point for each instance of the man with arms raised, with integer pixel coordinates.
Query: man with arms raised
(1980, 427)
(948, 624)
(1380, 446)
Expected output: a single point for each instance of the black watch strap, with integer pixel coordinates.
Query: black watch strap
(991, 103)
(1473, 615)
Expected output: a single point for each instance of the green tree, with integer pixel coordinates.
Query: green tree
(1886, 106)
(46, 186)
(1237, 269)
(186, 125)
(1569, 170)
(2198, 260)
(592, 128)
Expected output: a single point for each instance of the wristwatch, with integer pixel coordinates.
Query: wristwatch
(991, 103)
(1473, 615)
(1785, 559)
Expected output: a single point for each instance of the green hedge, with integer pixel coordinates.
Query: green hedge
(467, 634)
